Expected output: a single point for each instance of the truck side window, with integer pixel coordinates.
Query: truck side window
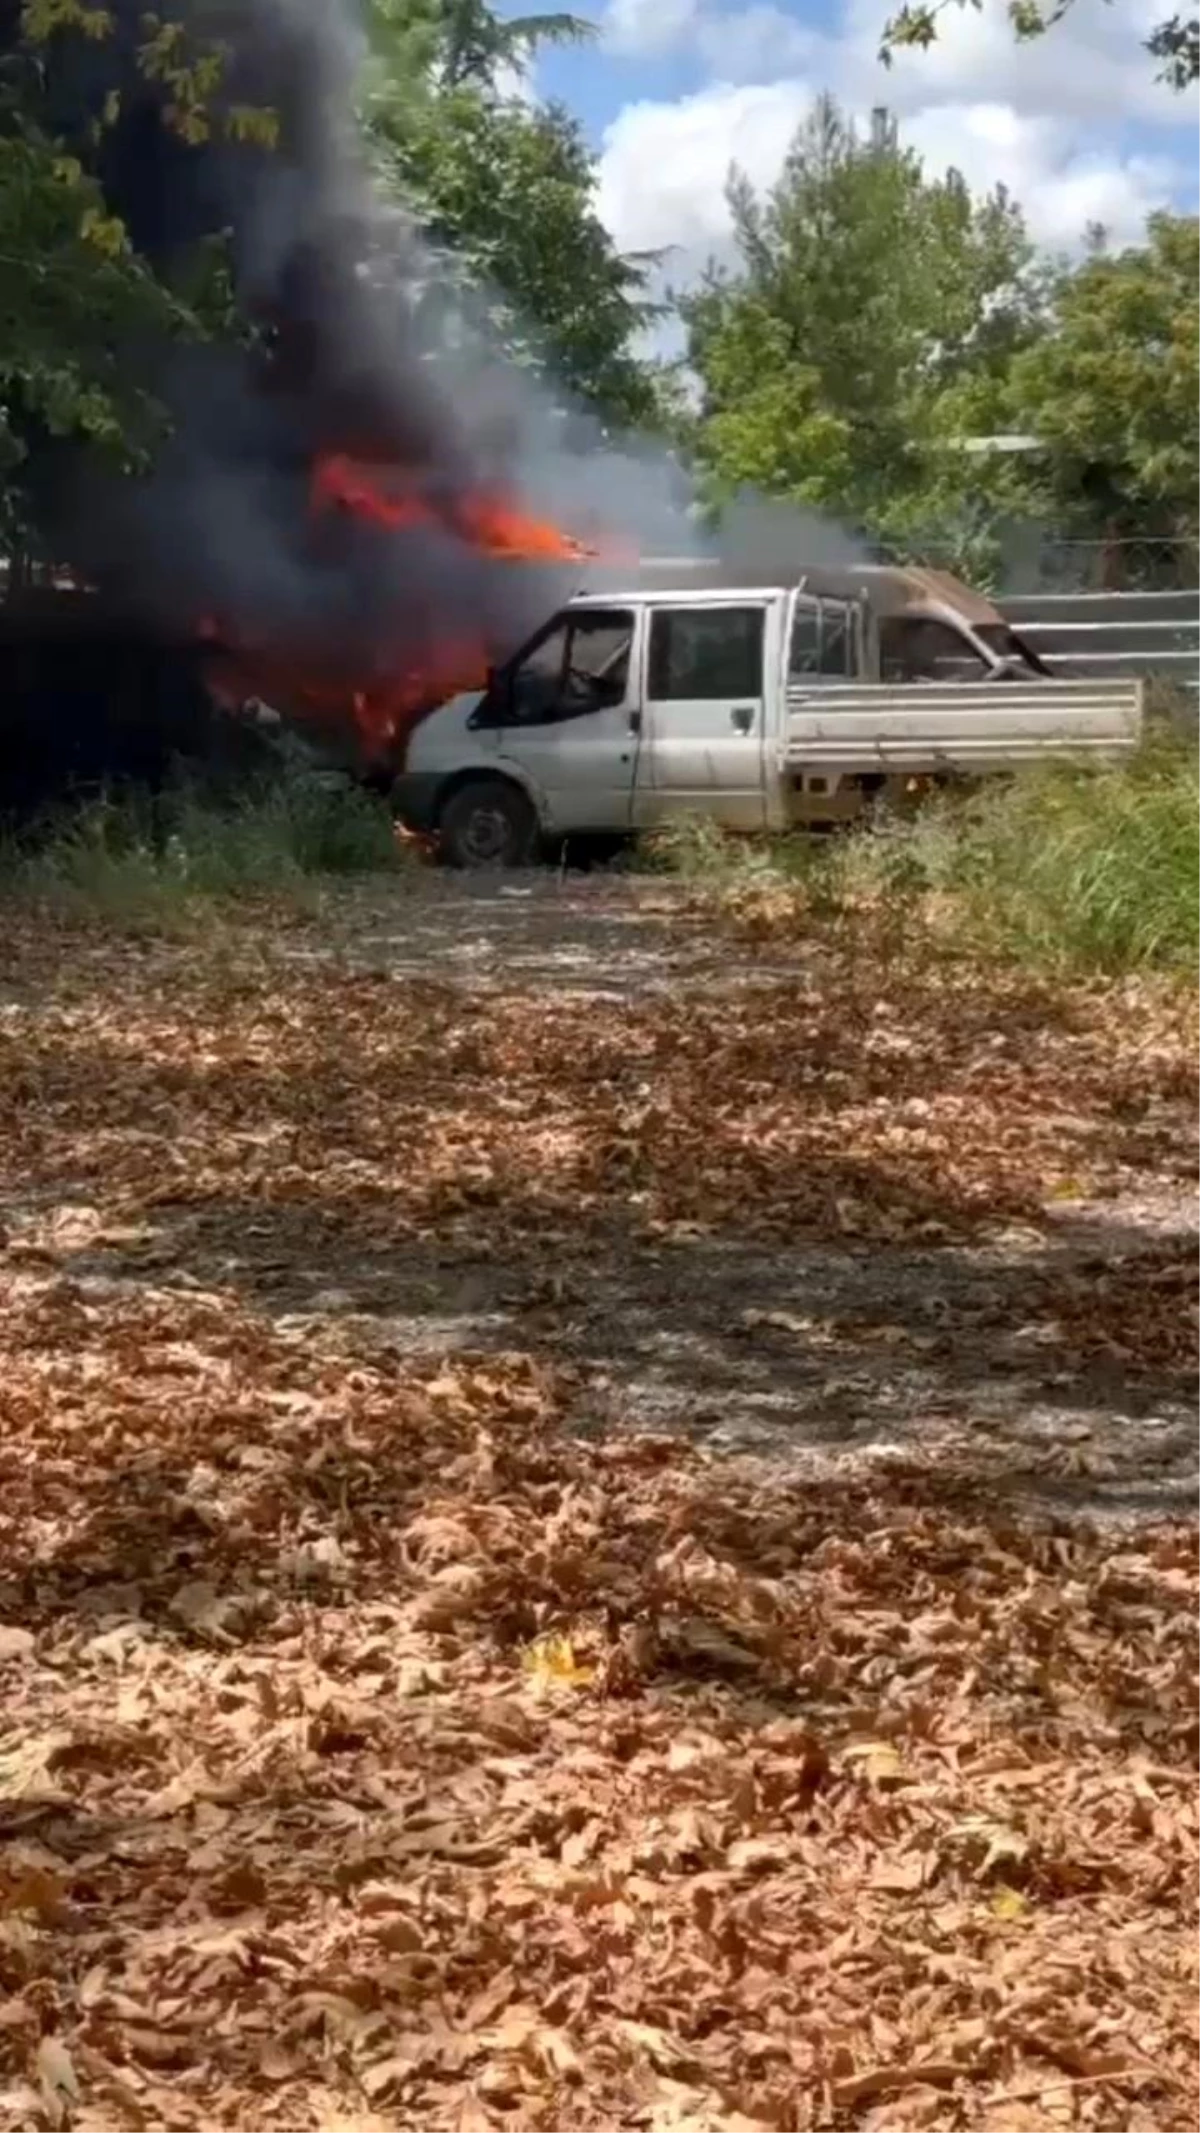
(704, 654)
(918, 648)
(822, 640)
(580, 665)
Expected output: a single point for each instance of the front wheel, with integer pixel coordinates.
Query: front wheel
(487, 823)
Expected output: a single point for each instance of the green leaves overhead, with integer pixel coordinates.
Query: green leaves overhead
(74, 295)
(505, 189)
(1175, 43)
(77, 300)
(862, 291)
(1111, 390)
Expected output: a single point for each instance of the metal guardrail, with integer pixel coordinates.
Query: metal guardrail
(1149, 633)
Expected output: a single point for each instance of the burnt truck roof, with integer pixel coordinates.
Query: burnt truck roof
(888, 588)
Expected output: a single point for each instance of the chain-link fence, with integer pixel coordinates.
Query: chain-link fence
(1023, 560)
(1143, 565)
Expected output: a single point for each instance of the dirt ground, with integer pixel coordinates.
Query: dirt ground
(808, 1350)
(858, 1332)
(534, 1426)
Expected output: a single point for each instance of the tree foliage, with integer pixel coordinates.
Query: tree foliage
(505, 189)
(426, 45)
(75, 296)
(1110, 390)
(475, 45)
(864, 292)
(1175, 42)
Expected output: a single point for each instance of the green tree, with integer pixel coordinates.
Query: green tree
(75, 297)
(474, 44)
(864, 293)
(1110, 391)
(455, 44)
(505, 190)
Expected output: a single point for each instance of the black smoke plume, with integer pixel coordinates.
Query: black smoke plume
(347, 349)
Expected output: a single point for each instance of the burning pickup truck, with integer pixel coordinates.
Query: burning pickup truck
(803, 699)
(800, 700)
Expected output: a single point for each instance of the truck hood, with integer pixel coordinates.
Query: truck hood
(444, 729)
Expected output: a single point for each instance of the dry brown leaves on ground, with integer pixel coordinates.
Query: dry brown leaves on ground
(922, 1103)
(376, 1753)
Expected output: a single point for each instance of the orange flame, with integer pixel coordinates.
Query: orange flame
(485, 522)
(384, 709)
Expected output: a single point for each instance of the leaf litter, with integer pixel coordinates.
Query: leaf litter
(378, 1751)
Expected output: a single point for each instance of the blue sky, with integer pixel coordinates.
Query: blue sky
(673, 90)
(597, 80)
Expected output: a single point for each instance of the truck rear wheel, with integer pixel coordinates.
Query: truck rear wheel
(487, 823)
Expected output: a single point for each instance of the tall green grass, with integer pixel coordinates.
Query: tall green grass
(1065, 867)
(145, 859)
(1088, 870)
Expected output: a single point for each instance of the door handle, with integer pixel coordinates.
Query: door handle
(635, 722)
(742, 718)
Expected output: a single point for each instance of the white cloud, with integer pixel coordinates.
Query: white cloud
(1061, 181)
(516, 79)
(663, 167)
(1049, 120)
(642, 28)
(1093, 63)
(758, 43)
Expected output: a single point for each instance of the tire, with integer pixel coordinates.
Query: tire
(487, 822)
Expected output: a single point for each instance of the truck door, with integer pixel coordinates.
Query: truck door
(703, 743)
(565, 718)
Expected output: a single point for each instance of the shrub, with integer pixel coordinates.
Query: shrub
(141, 858)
